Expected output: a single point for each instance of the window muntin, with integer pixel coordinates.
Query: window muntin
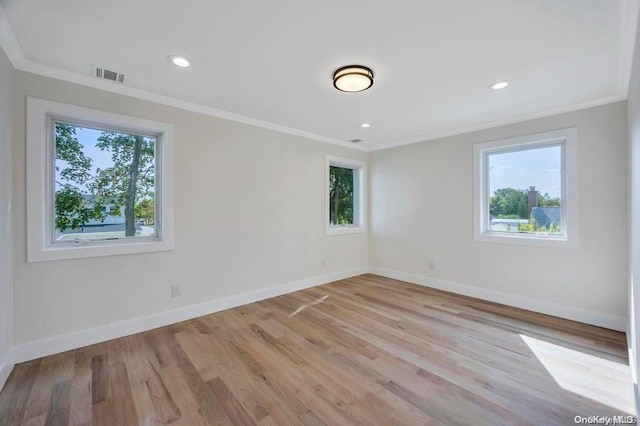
(104, 186)
(546, 161)
(345, 195)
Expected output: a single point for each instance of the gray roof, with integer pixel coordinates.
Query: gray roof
(545, 216)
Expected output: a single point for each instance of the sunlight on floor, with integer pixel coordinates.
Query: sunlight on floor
(308, 305)
(601, 380)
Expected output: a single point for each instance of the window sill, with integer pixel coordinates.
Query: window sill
(343, 230)
(80, 251)
(526, 240)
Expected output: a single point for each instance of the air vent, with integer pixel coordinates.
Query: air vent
(355, 140)
(106, 74)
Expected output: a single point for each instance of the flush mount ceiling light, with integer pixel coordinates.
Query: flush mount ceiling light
(353, 78)
(180, 61)
(365, 125)
(499, 85)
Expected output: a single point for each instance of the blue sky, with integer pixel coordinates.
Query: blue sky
(540, 167)
(89, 138)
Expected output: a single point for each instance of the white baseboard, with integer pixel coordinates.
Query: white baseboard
(56, 344)
(599, 319)
(6, 366)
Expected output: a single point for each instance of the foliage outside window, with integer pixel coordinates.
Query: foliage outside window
(341, 195)
(345, 195)
(530, 209)
(98, 183)
(524, 189)
(104, 184)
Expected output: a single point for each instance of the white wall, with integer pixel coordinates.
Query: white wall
(421, 211)
(7, 75)
(634, 215)
(249, 215)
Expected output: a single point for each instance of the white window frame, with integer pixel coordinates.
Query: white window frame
(359, 196)
(567, 139)
(41, 115)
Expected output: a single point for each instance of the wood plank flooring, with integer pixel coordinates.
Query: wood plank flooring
(366, 350)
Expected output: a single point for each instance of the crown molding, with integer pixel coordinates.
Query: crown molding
(629, 10)
(505, 122)
(628, 28)
(86, 80)
(14, 52)
(9, 42)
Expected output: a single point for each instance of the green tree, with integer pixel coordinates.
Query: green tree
(522, 209)
(546, 200)
(145, 211)
(341, 187)
(129, 181)
(509, 202)
(73, 174)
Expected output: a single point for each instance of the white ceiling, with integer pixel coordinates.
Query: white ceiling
(273, 60)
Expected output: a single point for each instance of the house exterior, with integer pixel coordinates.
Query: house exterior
(114, 222)
(114, 215)
(507, 225)
(546, 216)
(540, 217)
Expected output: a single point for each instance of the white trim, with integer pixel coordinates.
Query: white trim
(9, 42)
(360, 195)
(500, 123)
(13, 50)
(628, 27)
(57, 344)
(567, 138)
(61, 343)
(6, 366)
(599, 319)
(39, 150)
(86, 80)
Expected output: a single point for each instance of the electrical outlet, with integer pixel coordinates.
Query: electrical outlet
(432, 265)
(176, 290)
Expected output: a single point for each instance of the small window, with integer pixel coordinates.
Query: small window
(345, 195)
(98, 183)
(525, 190)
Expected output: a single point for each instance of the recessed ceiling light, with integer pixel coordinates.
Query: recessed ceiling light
(365, 125)
(499, 85)
(353, 78)
(180, 61)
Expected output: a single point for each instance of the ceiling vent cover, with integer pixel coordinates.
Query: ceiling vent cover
(355, 140)
(106, 74)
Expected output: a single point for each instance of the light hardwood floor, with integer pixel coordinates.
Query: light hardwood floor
(375, 351)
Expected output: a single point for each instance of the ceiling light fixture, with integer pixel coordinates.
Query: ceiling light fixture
(365, 125)
(353, 78)
(499, 85)
(180, 61)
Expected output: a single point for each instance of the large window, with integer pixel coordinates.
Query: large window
(345, 195)
(104, 184)
(99, 183)
(524, 189)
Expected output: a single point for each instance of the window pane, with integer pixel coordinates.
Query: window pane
(525, 191)
(341, 195)
(104, 184)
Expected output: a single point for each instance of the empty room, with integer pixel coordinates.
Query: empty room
(319, 213)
